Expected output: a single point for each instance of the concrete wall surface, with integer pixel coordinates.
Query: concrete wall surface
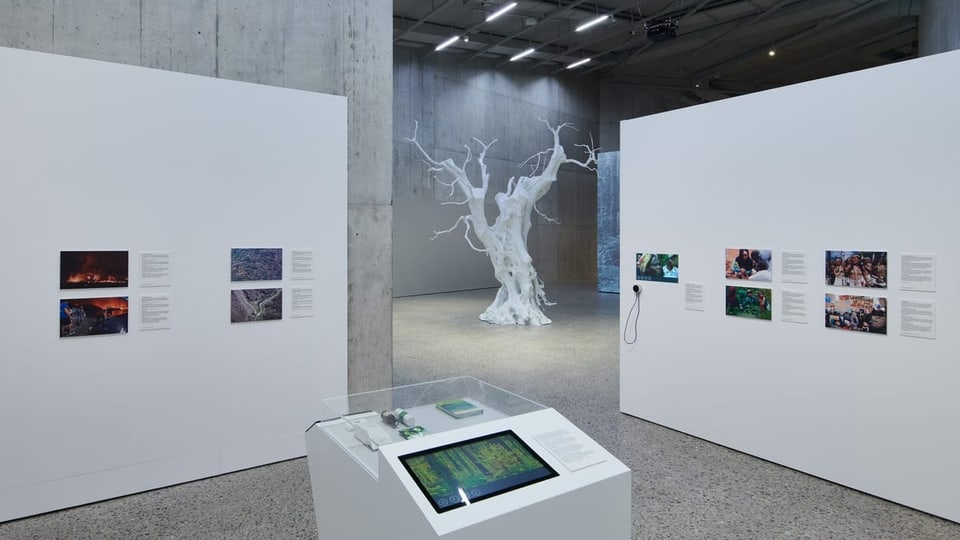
(939, 26)
(329, 46)
(455, 102)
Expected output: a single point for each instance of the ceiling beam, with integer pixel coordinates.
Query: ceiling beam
(745, 24)
(683, 17)
(581, 46)
(819, 59)
(422, 20)
(738, 23)
(551, 15)
(817, 28)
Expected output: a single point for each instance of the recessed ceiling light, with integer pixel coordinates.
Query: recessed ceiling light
(772, 52)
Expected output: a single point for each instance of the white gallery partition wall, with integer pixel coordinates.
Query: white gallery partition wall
(174, 268)
(838, 355)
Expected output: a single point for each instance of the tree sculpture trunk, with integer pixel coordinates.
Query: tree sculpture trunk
(521, 295)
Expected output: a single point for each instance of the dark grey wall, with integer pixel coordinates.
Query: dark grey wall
(455, 102)
(622, 102)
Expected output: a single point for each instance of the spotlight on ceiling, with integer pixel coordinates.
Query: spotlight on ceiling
(772, 52)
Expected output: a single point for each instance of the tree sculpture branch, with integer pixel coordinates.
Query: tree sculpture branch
(521, 295)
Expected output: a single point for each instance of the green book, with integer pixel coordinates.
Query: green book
(459, 408)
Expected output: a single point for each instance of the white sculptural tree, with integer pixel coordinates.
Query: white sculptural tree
(521, 294)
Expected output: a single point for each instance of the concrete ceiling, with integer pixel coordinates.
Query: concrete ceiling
(721, 47)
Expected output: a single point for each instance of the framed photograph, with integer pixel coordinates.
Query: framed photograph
(749, 302)
(93, 316)
(855, 313)
(251, 305)
(94, 269)
(658, 267)
(856, 269)
(749, 263)
(256, 264)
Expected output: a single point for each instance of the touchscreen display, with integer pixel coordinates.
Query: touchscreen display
(465, 472)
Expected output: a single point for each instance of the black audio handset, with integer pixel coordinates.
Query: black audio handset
(637, 289)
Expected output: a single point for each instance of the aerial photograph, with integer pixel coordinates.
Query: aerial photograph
(256, 264)
(249, 305)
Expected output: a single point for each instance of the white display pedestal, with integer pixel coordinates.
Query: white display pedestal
(361, 493)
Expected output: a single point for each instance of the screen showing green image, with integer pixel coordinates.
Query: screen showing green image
(465, 472)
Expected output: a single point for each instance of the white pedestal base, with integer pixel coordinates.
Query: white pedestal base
(350, 502)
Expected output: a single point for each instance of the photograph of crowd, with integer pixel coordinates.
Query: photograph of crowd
(93, 269)
(750, 302)
(856, 269)
(747, 263)
(658, 267)
(93, 316)
(857, 313)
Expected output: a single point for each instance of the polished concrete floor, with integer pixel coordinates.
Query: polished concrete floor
(683, 487)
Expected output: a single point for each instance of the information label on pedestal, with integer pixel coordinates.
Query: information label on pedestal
(576, 451)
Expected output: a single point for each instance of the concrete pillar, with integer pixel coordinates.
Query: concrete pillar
(939, 26)
(331, 46)
(367, 51)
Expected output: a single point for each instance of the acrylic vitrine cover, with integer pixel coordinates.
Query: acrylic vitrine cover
(462, 473)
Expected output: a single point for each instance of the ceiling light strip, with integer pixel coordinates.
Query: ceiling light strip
(501, 11)
(447, 43)
(592, 22)
(521, 55)
(578, 63)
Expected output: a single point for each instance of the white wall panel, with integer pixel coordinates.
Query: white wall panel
(103, 156)
(863, 161)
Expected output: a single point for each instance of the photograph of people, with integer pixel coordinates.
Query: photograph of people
(670, 269)
(749, 263)
(753, 303)
(856, 313)
(93, 316)
(658, 267)
(856, 269)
